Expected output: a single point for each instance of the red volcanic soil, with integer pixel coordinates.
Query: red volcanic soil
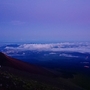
(20, 65)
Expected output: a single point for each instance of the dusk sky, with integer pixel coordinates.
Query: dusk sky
(44, 20)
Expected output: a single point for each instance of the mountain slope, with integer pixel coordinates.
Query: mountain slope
(20, 65)
(20, 75)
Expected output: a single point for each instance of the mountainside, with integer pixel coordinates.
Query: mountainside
(16, 74)
(20, 65)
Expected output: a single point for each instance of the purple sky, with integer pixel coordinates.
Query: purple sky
(44, 20)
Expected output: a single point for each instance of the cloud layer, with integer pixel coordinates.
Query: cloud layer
(55, 47)
(68, 55)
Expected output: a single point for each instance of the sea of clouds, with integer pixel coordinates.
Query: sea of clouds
(82, 47)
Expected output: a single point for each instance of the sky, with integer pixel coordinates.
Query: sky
(44, 20)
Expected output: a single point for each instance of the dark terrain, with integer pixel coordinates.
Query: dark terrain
(16, 74)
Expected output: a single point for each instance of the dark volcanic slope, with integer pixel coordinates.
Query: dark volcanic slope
(17, 64)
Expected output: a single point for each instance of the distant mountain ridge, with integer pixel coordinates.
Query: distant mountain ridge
(20, 65)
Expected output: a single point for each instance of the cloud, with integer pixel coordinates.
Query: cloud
(55, 47)
(52, 53)
(86, 66)
(68, 55)
(40, 47)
